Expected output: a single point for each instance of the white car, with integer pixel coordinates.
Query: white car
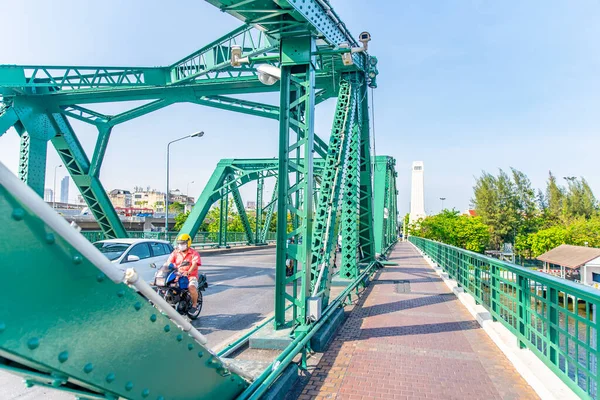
(144, 255)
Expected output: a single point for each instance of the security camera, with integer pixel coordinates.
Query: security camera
(236, 54)
(364, 38)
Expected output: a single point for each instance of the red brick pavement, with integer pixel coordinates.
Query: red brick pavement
(418, 345)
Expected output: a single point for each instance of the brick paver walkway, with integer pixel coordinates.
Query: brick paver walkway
(422, 344)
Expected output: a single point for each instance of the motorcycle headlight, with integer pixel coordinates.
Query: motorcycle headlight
(159, 281)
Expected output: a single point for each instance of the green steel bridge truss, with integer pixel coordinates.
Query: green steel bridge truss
(325, 190)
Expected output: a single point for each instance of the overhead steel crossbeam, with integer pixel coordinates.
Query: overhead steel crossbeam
(209, 63)
(229, 176)
(287, 18)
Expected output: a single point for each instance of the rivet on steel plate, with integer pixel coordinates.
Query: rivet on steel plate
(33, 343)
(18, 214)
(63, 356)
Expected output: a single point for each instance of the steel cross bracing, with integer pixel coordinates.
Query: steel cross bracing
(26, 96)
(325, 228)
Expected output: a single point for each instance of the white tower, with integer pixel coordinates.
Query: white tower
(417, 198)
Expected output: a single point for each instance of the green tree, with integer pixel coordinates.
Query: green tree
(451, 228)
(554, 198)
(580, 200)
(180, 220)
(176, 207)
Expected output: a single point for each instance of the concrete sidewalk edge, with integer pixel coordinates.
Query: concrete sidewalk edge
(240, 249)
(541, 379)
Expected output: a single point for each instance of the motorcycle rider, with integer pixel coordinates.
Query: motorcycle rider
(187, 261)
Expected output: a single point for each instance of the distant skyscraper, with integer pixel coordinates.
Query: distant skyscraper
(417, 195)
(48, 195)
(64, 190)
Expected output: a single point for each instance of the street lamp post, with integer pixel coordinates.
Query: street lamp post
(54, 189)
(187, 195)
(197, 134)
(442, 199)
(187, 191)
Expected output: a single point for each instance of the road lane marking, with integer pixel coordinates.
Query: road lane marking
(220, 283)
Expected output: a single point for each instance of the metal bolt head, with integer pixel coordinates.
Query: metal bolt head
(18, 214)
(179, 338)
(33, 343)
(77, 259)
(137, 306)
(88, 368)
(121, 293)
(110, 377)
(2, 327)
(129, 386)
(100, 277)
(145, 393)
(167, 328)
(50, 238)
(153, 318)
(190, 347)
(200, 354)
(63, 356)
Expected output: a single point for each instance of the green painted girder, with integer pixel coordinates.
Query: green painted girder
(8, 117)
(41, 127)
(289, 18)
(239, 105)
(270, 212)
(331, 183)
(228, 174)
(350, 209)
(32, 162)
(296, 176)
(84, 327)
(239, 204)
(210, 62)
(366, 231)
(75, 160)
(214, 60)
(259, 209)
(384, 201)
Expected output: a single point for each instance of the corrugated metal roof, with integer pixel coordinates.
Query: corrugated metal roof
(570, 256)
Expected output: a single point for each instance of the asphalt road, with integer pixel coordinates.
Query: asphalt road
(240, 293)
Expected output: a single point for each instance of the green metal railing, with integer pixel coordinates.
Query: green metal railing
(554, 318)
(201, 239)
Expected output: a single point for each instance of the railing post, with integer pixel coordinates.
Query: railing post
(523, 297)
(494, 291)
(477, 288)
(552, 306)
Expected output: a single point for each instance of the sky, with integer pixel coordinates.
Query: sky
(464, 85)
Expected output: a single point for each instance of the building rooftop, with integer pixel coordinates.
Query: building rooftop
(570, 256)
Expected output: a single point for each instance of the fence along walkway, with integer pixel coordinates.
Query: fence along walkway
(410, 337)
(554, 318)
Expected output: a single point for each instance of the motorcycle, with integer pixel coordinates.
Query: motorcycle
(173, 287)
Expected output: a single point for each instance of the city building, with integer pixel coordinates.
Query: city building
(64, 190)
(120, 198)
(149, 199)
(48, 195)
(576, 263)
(417, 192)
(251, 205)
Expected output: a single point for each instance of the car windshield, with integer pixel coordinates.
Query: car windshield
(112, 251)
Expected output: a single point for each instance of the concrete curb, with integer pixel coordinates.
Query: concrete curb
(545, 383)
(241, 249)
